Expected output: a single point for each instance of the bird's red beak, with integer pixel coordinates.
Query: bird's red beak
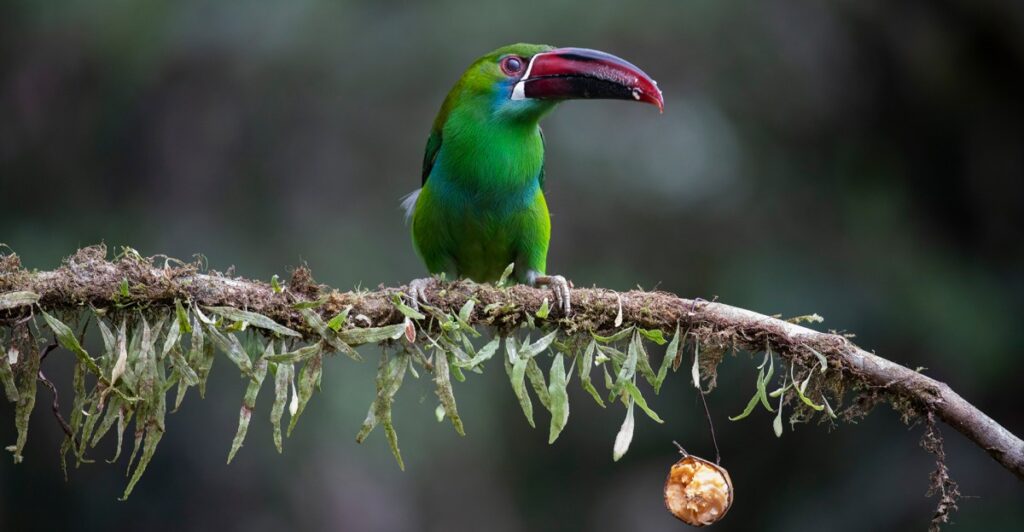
(577, 73)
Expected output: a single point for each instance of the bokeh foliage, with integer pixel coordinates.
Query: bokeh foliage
(861, 160)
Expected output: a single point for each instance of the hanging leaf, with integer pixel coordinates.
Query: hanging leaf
(26, 398)
(372, 335)
(639, 400)
(777, 424)
(538, 347)
(7, 378)
(329, 335)
(536, 378)
(152, 438)
(628, 369)
(406, 310)
(695, 370)
(625, 435)
(654, 335)
(800, 392)
(182, 315)
(821, 358)
(232, 347)
(670, 354)
(753, 400)
(200, 355)
(109, 417)
(585, 367)
(390, 374)
(281, 380)
(443, 389)
(517, 376)
(309, 376)
(762, 383)
(558, 398)
(643, 362)
(67, 340)
(299, 355)
(249, 401)
(484, 354)
(172, 337)
(615, 337)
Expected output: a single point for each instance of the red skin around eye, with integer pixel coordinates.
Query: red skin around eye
(508, 63)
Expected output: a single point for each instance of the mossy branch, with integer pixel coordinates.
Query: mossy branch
(307, 309)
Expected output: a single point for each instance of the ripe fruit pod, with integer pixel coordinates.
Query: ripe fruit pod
(697, 491)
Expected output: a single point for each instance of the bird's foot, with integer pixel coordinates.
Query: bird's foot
(560, 288)
(418, 291)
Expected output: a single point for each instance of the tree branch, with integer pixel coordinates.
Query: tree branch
(87, 278)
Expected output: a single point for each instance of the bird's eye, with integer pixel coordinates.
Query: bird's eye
(512, 65)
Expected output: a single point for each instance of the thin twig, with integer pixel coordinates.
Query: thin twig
(53, 389)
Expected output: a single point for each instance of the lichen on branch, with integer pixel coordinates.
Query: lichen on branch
(163, 322)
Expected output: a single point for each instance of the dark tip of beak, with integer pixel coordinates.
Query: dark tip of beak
(580, 73)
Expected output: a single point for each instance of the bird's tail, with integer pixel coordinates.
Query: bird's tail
(409, 203)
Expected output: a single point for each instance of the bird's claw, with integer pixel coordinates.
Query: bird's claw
(560, 288)
(418, 292)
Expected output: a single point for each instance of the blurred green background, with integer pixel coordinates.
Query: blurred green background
(862, 160)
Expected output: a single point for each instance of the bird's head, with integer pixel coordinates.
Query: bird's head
(524, 81)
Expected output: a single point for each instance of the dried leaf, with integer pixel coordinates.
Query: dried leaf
(11, 300)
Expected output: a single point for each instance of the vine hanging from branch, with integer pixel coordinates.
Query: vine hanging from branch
(163, 321)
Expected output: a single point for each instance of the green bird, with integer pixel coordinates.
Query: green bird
(481, 206)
